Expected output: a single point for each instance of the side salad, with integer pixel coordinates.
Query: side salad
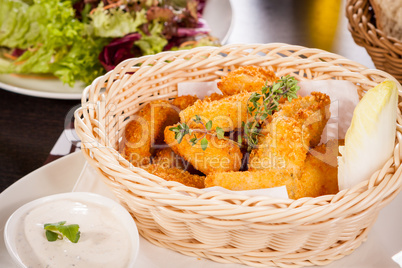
(78, 40)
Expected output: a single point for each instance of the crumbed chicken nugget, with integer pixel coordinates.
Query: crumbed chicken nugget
(312, 110)
(213, 97)
(220, 154)
(251, 180)
(167, 158)
(320, 171)
(183, 102)
(227, 113)
(297, 126)
(175, 174)
(282, 146)
(145, 129)
(248, 78)
(319, 175)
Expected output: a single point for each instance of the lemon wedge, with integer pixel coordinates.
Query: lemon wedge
(370, 139)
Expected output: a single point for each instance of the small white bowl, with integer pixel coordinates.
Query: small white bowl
(111, 207)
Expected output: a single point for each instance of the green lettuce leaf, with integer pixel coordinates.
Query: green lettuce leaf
(81, 61)
(153, 43)
(115, 22)
(59, 44)
(150, 45)
(10, 19)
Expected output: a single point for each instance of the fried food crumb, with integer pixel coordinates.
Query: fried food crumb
(175, 174)
(145, 129)
(320, 171)
(220, 155)
(251, 180)
(319, 175)
(246, 79)
(182, 102)
(295, 128)
(227, 113)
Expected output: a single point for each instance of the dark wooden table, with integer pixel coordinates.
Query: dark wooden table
(30, 126)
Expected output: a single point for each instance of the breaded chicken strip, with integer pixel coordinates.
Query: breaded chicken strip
(297, 126)
(184, 101)
(175, 174)
(282, 146)
(320, 171)
(312, 110)
(213, 97)
(251, 180)
(248, 79)
(167, 158)
(220, 155)
(227, 113)
(145, 129)
(319, 176)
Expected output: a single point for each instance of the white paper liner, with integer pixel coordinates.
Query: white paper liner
(398, 258)
(344, 99)
(199, 89)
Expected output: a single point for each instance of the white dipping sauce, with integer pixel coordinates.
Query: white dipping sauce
(104, 241)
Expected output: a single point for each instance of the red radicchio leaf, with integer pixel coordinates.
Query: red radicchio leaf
(18, 52)
(175, 42)
(201, 28)
(200, 6)
(118, 50)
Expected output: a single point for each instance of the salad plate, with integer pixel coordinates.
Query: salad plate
(72, 173)
(220, 27)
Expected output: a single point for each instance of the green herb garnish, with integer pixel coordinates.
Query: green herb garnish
(183, 129)
(260, 106)
(57, 230)
(286, 87)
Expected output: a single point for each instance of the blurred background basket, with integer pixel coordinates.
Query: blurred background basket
(257, 231)
(384, 50)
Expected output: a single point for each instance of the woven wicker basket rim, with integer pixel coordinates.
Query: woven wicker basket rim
(258, 208)
(362, 25)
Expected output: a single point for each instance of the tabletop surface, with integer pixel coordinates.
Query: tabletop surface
(30, 126)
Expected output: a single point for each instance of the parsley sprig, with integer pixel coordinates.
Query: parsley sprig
(57, 230)
(260, 106)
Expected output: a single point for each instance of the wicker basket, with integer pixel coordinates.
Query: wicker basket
(256, 231)
(385, 51)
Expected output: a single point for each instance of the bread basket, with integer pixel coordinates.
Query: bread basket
(229, 228)
(385, 51)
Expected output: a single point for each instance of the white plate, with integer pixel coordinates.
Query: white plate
(384, 239)
(55, 89)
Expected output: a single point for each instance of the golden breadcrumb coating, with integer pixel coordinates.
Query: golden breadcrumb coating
(320, 171)
(175, 174)
(297, 126)
(248, 78)
(167, 158)
(185, 101)
(313, 110)
(282, 146)
(319, 175)
(213, 97)
(220, 155)
(227, 113)
(145, 129)
(251, 180)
